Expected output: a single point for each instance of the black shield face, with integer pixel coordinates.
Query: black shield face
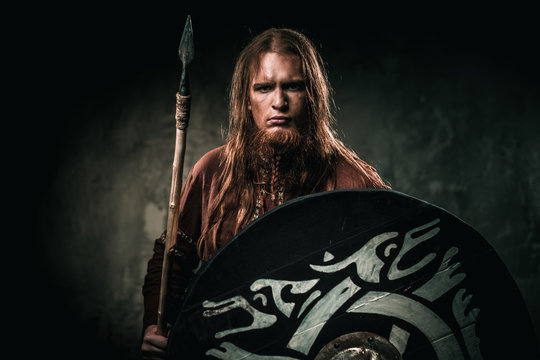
(343, 262)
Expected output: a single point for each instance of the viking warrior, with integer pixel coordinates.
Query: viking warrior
(281, 144)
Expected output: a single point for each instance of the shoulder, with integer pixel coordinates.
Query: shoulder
(206, 170)
(356, 174)
(210, 161)
(346, 175)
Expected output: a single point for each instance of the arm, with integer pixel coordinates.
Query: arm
(184, 259)
(195, 198)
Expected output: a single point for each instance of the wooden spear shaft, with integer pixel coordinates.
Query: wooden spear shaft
(182, 118)
(183, 106)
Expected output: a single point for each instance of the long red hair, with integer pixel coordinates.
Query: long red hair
(236, 180)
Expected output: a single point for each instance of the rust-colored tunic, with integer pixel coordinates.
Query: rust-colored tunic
(198, 193)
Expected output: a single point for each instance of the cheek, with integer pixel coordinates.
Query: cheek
(256, 110)
(254, 107)
(301, 105)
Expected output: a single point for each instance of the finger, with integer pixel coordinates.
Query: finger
(156, 340)
(152, 348)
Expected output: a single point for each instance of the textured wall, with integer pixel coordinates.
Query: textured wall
(446, 110)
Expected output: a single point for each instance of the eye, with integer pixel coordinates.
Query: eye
(295, 86)
(388, 249)
(262, 297)
(263, 88)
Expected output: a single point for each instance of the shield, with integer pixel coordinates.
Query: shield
(323, 276)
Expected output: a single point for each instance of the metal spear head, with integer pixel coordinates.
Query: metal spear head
(186, 50)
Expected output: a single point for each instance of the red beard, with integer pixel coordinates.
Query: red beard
(272, 143)
(294, 153)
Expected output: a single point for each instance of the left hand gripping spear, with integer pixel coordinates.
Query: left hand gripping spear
(183, 104)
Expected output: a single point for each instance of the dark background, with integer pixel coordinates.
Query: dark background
(443, 101)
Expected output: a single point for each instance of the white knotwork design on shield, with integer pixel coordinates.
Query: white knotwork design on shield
(323, 306)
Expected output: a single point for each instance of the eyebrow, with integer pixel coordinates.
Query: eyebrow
(271, 82)
(264, 83)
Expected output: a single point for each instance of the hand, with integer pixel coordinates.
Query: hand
(153, 344)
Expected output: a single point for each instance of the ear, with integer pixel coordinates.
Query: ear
(249, 105)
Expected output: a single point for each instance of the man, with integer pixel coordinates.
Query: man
(280, 145)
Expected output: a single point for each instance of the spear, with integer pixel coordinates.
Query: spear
(183, 104)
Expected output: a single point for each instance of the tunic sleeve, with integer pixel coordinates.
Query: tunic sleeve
(184, 258)
(194, 202)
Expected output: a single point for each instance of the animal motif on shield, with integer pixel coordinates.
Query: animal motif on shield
(353, 262)
(368, 265)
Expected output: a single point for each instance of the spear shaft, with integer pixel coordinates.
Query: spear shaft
(183, 105)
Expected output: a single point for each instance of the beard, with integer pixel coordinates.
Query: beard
(294, 155)
(284, 143)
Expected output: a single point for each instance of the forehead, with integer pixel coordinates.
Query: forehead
(273, 66)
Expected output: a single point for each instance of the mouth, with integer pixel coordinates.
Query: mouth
(278, 120)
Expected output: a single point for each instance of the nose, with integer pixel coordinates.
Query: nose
(280, 101)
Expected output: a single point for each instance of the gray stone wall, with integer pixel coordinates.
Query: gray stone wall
(446, 113)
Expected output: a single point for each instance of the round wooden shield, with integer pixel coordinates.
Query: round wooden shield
(335, 264)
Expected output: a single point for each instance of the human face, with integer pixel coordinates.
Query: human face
(277, 94)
